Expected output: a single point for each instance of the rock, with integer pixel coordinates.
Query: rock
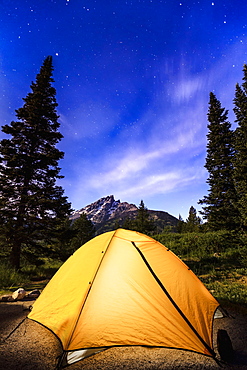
(5, 298)
(19, 294)
(33, 294)
(11, 299)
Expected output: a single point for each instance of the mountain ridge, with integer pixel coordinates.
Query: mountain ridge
(106, 212)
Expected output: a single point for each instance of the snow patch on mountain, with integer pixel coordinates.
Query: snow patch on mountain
(104, 209)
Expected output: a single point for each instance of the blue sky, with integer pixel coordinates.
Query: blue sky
(133, 80)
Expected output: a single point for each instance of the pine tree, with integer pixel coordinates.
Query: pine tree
(84, 231)
(220, 210)
(128, 224)
(240, 145)
(143, 222)
(61, 246)
(193, 221)
(180, 225)
(31, 204)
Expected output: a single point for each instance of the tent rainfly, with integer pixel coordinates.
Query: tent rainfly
(123, 288)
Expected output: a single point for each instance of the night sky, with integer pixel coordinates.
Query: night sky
(133, 80)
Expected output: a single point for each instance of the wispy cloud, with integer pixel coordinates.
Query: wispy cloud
(187, 88)
(156, 184)
(163, 153)
(144, 171)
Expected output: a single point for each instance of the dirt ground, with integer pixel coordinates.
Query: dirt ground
(33, 347)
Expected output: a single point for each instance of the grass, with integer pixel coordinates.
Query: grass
(9, 279)
(233, 292)
(219, 259)
(229, 285)
(29, 278)
(223, 277)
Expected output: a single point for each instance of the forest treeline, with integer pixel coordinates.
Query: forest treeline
(34, 212)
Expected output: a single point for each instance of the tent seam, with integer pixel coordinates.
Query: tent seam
(87, 294)
(173, 302)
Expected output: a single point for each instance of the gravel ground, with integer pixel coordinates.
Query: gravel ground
(33, 347)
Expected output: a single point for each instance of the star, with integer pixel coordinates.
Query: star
(139, 78)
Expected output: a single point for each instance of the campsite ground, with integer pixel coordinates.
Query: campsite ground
(32, 347)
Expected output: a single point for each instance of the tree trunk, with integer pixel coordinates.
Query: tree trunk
(15, 255)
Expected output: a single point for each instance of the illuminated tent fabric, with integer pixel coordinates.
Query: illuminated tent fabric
(123, 288)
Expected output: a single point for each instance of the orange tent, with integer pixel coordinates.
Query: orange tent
(123, 288)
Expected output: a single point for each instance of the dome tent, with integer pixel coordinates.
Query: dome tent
(123, 288)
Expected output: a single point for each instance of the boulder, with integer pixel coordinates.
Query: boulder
(6, 298)
(19, 294)
(33, 294)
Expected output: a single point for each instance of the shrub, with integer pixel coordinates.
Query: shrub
(45, 271)
(9, 277)
(200, 245)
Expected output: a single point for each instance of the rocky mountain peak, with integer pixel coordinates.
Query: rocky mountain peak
(104, 209)
(106, 212)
